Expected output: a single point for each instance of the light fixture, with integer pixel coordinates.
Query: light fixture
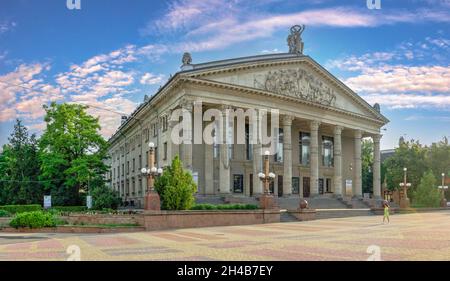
(153, 170)
(160, 171)
(271, 175)
(144, 170)
(405, 169)
(151, 144)
(261, 175)
(267, 153)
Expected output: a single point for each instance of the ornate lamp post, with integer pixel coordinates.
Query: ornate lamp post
(404, 200)
(266, 200)
(443, 188)
(152, 200)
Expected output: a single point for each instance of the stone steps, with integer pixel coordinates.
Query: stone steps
(286, 217)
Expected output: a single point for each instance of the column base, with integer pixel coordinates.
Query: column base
(404, 203)
(267, 201)
(152, 201)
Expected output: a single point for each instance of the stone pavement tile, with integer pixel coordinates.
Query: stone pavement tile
(50, 244)
(173, 237)
(201, 236)
(43, 255)
(246, 231)
(233, 244)
(109, 241)
(400, 243)
(139, 251)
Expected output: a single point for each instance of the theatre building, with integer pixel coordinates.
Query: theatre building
(322, 123)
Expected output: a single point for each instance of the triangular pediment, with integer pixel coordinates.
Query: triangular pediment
(298, 77)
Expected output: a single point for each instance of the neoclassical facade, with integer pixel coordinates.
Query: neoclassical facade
(322, 123)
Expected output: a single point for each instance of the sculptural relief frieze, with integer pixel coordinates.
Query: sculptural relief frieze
(296, 83)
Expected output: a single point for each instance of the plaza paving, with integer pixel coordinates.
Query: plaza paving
(420, 236)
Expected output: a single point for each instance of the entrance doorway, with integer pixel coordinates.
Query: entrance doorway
(306, 186)
(251, 184)
(320, 186)
(280, 186)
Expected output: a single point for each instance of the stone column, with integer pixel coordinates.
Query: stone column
(209, 168)
(287, 155)
(187, 136)
(224, 165)
(376, 167)
(314, 125)
(257, 159)
(358, 165)
(338, 191)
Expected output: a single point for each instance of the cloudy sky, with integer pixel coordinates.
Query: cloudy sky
(110, 53)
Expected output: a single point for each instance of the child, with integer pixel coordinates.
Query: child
(386, 211)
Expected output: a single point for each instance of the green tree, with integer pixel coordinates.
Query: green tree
(409, 154)
(19, 168)
(72, 152)
(427, 193)
(367, 164)
(176, 187)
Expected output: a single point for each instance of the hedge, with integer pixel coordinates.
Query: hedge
(4, 213)
(35, 219)
(224, 207)
(70, 209)
(21, 208)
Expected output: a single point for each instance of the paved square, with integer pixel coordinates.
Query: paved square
(420, 236)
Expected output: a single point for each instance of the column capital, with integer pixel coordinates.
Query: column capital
(376, 138)
(338, 130)
(186, 104)
(314, 125)
(287, 120)
(358, 134)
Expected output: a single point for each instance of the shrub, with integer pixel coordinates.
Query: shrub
(21, 208)
(427, 194)
(224, 207)
(4, 213)
(69, 209)
(104, 198)
(35, 219)
(176, 187)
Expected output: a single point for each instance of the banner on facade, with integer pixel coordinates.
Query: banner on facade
(89, 201)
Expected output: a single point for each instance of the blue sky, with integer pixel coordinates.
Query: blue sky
(110, 53)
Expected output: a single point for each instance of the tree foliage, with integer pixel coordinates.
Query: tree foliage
(426, 194)
(72, 153)
(104, 198)
(176, 187)
(19, 168)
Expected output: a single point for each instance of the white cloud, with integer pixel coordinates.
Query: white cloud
(6, 26)
(151, 79)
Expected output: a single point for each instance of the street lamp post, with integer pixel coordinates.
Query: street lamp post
(152, 200)
(443, 188)
(266, 200)
(404, 200)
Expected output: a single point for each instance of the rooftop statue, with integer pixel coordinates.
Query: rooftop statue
(187, 59)
(294, 39)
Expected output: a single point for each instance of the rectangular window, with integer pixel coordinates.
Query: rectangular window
(146, 159)
(216, 141)
(327, 151)
(238, 183)
(128, 167)
(140, 162)
(133, 187)
(165, 151)
(304, 148)
(156, 157)
(279, 154)
(123, 169)
(134, 164)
